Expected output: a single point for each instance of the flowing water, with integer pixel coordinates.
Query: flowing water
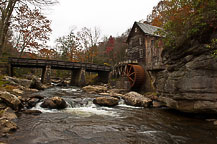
(85, 123)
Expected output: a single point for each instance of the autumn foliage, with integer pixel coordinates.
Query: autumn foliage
(23, 22)
(32, 29)
(182, 20)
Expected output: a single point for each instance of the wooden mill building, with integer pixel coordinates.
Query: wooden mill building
(143, 56)
(145, 46)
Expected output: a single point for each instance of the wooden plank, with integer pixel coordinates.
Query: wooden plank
(25, 62)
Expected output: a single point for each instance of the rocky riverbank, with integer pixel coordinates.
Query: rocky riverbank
(15, 98)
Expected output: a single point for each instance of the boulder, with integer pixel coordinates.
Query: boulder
(37, 96)
(31, 90)
(62, 84)
(104, 94)
(2, 106)
(119, 91)
(106, 101)
(136, 99)
(54, 103)
(36, 84)
(11, 100)
(157, 104)
(151, 95)
(95, 89)
(8, 114)
(7, 126)
(17, 81)
(32, 112)
(18, 91)
(32, 102)
(190, 106)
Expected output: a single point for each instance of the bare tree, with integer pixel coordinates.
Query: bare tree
(89, 39)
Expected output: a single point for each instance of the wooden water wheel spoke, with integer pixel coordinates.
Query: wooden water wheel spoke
(130, 69)
(127, 72)
(132, 73)
(131, 79)
(124, 71)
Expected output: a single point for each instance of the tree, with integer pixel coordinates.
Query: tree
(32, 29)
(69, 46)
(112, 49)
(7, 7)
(89, 40)
(158, 15)
(183, 20)
(47, 53)
(110, 45)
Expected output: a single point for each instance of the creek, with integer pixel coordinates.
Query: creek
(83, 122)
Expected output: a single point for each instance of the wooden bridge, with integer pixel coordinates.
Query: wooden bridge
(78, 69)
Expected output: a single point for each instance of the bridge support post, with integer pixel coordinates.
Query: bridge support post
(78, 77)
(10, 70)
(103, 77)
(45, 77)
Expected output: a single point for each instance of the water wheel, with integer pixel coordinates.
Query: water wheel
(135, 74)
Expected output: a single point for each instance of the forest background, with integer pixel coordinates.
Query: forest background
(25, 31)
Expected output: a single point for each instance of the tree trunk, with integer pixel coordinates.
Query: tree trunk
(5, 22)
(22, 50)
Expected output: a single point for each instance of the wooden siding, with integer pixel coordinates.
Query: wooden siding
(147, 45)
(136, 44)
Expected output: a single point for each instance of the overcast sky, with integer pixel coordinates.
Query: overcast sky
(113, 17)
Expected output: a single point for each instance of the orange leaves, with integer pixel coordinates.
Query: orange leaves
(166, 10)
(32, 28)
(47, 53)
(68, 46)
(184, 19)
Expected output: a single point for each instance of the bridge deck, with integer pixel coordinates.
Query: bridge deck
(56, 64)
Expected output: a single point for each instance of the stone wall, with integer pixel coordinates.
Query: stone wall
(122, 83)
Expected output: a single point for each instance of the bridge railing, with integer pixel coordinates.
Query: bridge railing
(58, 63)
(3, 59)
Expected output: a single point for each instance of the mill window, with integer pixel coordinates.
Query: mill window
(140, 41)
(140, 53)
(131, 44)
(152, 43)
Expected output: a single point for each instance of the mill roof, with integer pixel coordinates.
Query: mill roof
(146, 28)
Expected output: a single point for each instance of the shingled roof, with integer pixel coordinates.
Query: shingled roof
(146, 28)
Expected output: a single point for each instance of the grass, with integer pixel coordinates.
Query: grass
(151, 93)
(91, 78)
(2, 82)
(1, 113)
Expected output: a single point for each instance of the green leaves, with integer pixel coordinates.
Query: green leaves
(183, 20)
